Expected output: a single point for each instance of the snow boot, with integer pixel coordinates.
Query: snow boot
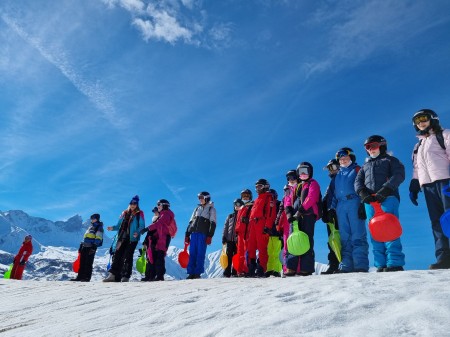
(445, 264)
(381, 269)
(330, 270)
(394, 268)
(125, 279)
(252, 268)
(111, 278)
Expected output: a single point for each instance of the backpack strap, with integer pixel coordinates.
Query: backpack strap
(440, 139)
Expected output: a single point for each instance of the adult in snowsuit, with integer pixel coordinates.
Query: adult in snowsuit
(92, 239)
(378, 181)
(307, 213)
(159, 241)
(262, 217)
(431, 162)
(21, 258)
(329, 214)
(352, 228)
(229, 237)
(199, 234)
(130, 223)
(243, 232)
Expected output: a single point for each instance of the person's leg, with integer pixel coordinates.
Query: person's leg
(307, 262)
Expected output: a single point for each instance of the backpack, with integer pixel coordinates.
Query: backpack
(173, 228)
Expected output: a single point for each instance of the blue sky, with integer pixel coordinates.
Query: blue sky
(105, 99)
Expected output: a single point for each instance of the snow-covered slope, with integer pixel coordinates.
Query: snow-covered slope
(411, 303)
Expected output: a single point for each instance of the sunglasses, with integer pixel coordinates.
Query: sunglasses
(421, 118)
(373, 146)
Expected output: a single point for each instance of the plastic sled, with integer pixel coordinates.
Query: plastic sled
(235, 261)
(384, 226)
(7, 274)
(76, 264)
(224, 257)
(183, 257)
(334, 240)
(298, 241)
(141, 262)
(445, 223)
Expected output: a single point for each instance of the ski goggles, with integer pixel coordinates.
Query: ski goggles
(342, 153)
(421, 118)
(332, 167)
(303, 170)
(373, 146)
(259, 187)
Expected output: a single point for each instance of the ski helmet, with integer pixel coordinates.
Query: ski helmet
(291, 174)
(164, 203)
(332, 162)
(265, 185)
(274, 193)
(432, 117)
(247, 191)
(95, 216)
(346, 151)
(378, 141)
(305, 166)
(238, 202)
(204, 195)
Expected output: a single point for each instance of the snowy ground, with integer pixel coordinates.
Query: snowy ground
(410, 303)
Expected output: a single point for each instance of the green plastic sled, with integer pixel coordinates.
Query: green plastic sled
(7, 274)
(334, 240)
(298, 241)
(141, 262)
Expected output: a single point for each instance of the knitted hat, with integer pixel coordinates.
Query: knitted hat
(29, 237)
(135, 200)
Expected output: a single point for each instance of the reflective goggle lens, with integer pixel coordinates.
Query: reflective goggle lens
(372, 146)
(421, 118)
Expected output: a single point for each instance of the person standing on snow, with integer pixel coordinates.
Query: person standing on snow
(21, 258)
(378, 181)
(199, 234)
(352, 228)
(93, 238)
(329, 214)
(243, 231)
(307, 213)
(274, 265)
(130, 223)
(431, 167)
(229, 237)
(262, 217)
(159, 241)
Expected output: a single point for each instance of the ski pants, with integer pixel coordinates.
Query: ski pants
(273, 250)
(355, 248)
(156, 268)
(123, 259)
(197, 253)
(87, 256)
(438, 204)
(231, 250)
(386, 254)
(306, 262)
(258, 241)
(241, 251)
(17, 271)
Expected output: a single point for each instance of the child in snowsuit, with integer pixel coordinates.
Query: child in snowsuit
(378, 181)
(431, 162)
(199, 234)
(274, 265)
(307, 213)
(21, 258)
(229, 237)
(329, 214)
(93, 238)
(130, 223)
(352, 228)
(242, 231)
(158, 242)
(149, 243)
(282, 225)
(262, 218)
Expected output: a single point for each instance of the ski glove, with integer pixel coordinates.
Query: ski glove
(208, 240)
(224, 240)
(245, 220)
(187, 239)
(266, 230)
(383, 193)
(143, 231)
(332, 216)
(362, 212)
(22, 263)
(446, 190)
(414, 189)
(92, 251)
(290, 214)
(366, 196)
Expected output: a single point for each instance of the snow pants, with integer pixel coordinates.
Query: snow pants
(258, 241)
(438, 204)
(306, 262)
(87, 256)
(355, 248)
(197, 253)
(17, 271)
(123, 259)
(231, 250)
(386, 254)
(241, 251)
(156, 268)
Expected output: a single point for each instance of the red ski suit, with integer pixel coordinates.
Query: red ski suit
(22, 256)
(242, 232)
(262, 216)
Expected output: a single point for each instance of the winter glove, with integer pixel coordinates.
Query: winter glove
(300, 213)
(266, 230)
(245, 220)
(446, 190)
(22, 263)
(80, 248)
(366, 196)
(383, 193)
(290, 214)
(325, 217)
(143, 231)
(332, 216)
(208, 240)
(362, 212)
(224, 240)
(414, 189)
(92, 251)
(187, 239)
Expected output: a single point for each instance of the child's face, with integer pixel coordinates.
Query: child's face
(344, 160)
(374, 152)
(423, 125)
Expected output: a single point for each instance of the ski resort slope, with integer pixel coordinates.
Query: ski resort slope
(410, 303)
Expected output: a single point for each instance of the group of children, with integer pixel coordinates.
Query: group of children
(258, 229)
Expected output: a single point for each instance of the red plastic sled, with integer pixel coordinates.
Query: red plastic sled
(76, 264)
(384, 226)
(183, 257)
(236, 261)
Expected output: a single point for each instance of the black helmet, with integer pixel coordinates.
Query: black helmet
(346, 151)
(264, 183)
(238, 202)
(164, 203)
(432, 116)
(204, 195)
(247, 191)
(377, 139)
(95, 216)
(291, 173)
(274, 193)
(307, 166)
(331, 162)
